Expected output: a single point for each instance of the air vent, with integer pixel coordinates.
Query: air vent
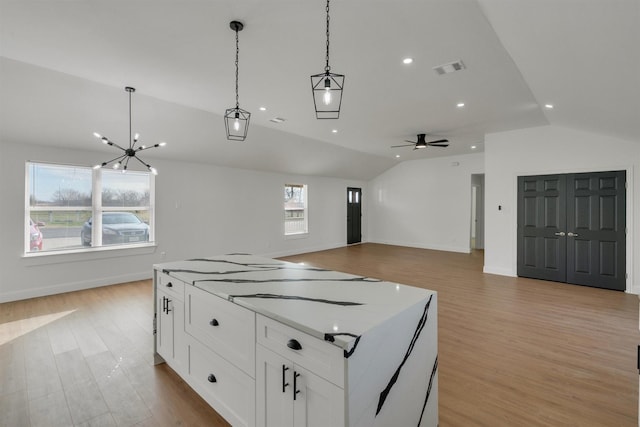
(277, 120)
(451, 67)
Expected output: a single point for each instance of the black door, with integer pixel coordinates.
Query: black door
(542, 250)
(596, 229)
(572, 228)
(354, 215)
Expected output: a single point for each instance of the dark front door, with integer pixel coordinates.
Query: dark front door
(572, 228)
(354, 215)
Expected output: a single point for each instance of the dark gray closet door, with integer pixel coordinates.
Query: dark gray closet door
(571, 228)
(542, 243)
(596, 234)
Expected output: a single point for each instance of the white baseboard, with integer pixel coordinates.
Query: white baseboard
(73, 286)
(458, 249)
(499, 271)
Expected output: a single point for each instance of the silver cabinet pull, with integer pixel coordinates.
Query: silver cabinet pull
(570, 234)
(559, 233)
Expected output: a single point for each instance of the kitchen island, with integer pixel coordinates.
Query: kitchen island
(271, 343)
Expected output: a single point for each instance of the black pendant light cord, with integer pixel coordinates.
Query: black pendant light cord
(237, 54)
(327, 67)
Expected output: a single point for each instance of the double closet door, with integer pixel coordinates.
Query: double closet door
(572, 228)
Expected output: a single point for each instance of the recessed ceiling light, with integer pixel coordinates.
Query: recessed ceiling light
(397, 156)
(548, 106)
(277, 120)
(263, 109)
(473, 147)
(460, 104)
(407, 60)
(335, 131)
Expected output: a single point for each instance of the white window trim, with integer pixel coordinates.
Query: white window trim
(96, 207)
(302, 234)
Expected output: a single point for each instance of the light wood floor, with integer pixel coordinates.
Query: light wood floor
(512, 352)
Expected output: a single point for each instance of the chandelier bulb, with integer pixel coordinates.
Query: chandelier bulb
(97, 135)
(153, 170)
(236, 124)
(135, 137)
(162, 144)
(116, 165)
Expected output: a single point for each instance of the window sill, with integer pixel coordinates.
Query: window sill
(296, 236)
(86, 254)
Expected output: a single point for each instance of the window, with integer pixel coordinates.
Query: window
(67, 205)
(295, 209)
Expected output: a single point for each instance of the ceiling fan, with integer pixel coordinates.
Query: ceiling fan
(421, 143)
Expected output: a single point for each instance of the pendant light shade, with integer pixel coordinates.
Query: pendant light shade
(327, 87)
(327, 94)
(121, 162)
(236, 120)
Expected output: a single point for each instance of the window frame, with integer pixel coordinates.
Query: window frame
(305, 202)
(96, 209)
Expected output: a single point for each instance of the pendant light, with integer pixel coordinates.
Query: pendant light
(327, 88)
(236, 120)
(122, 161)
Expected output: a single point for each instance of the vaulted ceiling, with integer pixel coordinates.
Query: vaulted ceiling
(64, 65)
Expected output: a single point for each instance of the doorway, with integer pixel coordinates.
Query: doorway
(477, 211)
(354, 215)
(572, 228)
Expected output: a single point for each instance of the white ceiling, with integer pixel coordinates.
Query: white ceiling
(65, 64)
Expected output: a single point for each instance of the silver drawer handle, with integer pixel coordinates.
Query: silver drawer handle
(560, 233)
(570, 234)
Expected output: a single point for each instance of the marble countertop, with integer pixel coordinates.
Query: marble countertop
(333, 306)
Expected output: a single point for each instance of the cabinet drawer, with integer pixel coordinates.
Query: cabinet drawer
(227, 389)
(223, 326)
(320, 357)
(170, 285)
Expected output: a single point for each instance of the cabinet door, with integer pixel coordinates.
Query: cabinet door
(274, 389)
(318, 402)
(164, 335)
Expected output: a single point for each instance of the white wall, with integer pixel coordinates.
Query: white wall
(201, 210)
(549, 150)
(424, 203)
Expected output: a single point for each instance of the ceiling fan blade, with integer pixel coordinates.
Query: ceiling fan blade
(406, 140)
(404, 145)
(438, 145)
(438, 141)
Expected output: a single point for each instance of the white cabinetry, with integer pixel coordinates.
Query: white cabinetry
(221, 338)
(170, 339)
(288, 393)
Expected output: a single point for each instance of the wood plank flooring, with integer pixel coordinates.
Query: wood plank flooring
(512, 351)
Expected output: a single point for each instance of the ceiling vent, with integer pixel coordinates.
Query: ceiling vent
(277, 120)
(451, 67)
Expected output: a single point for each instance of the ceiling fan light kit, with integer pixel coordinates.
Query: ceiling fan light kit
(121, 162)
(327, 87)
(236, 120)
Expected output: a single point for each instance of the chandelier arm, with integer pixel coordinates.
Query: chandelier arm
(140, 160)
(116, 145)
(146, 148)
(116, 158)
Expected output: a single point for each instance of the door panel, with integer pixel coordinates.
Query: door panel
(571, 228)
(596, 253)
(541, 207)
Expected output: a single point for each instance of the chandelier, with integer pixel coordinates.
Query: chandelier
(121, 162)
